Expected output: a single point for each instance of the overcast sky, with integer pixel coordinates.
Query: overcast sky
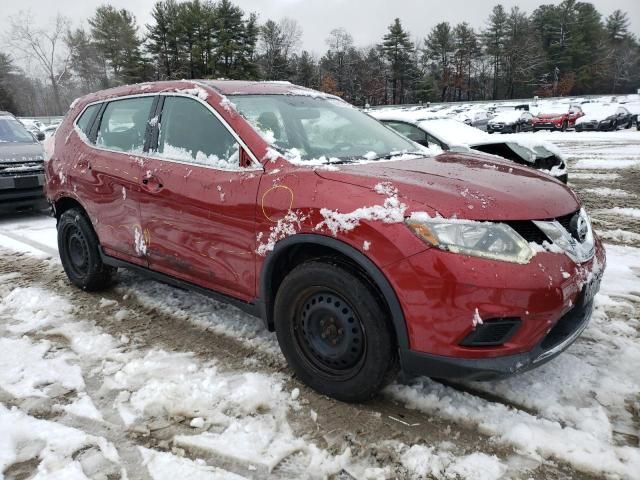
(366, 20)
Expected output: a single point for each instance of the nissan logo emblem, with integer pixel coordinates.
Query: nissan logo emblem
(579, 227)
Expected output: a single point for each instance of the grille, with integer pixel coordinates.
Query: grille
(17, 169)
(531, 233)
(528, 230)
(492, 333)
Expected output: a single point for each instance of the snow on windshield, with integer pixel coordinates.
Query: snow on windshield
(507, 116)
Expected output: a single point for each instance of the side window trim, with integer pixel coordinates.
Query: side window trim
(95, 125)
(256, 165)
(151, 145)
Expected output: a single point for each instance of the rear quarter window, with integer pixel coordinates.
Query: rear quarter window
(86, 119)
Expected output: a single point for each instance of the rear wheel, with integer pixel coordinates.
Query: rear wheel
(334, 332)
(80, 252)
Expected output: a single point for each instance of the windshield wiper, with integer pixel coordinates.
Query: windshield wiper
(389, 156)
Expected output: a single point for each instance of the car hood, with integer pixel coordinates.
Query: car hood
(546, 116)
(589, 117)
(20, 152)
(468, 186)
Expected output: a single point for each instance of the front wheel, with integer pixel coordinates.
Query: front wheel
(80, 252)
(334, 332)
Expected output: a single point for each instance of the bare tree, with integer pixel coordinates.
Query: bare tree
(291, 35)
(45, 46)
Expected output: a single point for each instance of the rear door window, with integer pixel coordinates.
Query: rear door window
(190, 132)
(86, 119)
(124, 123)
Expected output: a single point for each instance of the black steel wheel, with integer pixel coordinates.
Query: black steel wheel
(334, 331)
(80, 252)
(330, 333)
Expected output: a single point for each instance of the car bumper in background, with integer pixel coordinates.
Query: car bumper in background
(22, 192)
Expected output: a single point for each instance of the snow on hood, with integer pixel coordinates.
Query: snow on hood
(598, 114)
(20, 152)
(468, 186)
(507, 116)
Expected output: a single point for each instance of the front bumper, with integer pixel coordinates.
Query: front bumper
(561, 336)
(22, 192)
(545, 298)
(547, 126)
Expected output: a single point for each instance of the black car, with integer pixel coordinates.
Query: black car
(21, 166)
(605, 117)
(511, 121)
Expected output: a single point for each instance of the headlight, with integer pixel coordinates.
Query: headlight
(497, 241)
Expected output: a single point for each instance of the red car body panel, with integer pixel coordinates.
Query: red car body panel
(217, 228)
(556, 120)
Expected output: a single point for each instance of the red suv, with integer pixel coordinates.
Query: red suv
(557, 117)
(364, 253)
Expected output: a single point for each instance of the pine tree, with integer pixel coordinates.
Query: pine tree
(6, 97)
(440, 47)
(115, 34)
(494, 39)
(87, 62)
(397, 48)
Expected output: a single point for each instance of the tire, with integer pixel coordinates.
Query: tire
(629, 125)
(334, 332)
(565, 125)
(80, 252)
(516, 129)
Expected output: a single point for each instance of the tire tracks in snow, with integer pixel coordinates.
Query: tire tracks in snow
(333, 425)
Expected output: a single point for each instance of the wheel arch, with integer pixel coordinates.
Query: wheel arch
(296, 249)
(64, 203)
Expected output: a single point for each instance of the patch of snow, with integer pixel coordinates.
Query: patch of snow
(477, 319)
(391, 211)
(139, 244)
(289, 225)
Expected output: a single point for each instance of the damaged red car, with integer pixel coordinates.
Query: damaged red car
(363, 251)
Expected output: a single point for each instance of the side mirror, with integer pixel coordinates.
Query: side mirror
(40, 136)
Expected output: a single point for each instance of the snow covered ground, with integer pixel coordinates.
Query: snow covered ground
(148, 381)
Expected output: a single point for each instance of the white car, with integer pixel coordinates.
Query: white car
(428, 130)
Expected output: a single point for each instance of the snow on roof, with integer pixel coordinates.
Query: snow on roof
(453, 132)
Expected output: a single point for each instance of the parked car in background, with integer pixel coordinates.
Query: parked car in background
(511, 121)
(34, 126)
(634, 110)
(556, 117)
(50, 130)
(21, 166)
(605, 117)
(450, 134)
(478, 118)
(364, 253)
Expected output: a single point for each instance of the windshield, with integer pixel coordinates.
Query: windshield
(551, 109)
(12, 131)
(317, 127)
